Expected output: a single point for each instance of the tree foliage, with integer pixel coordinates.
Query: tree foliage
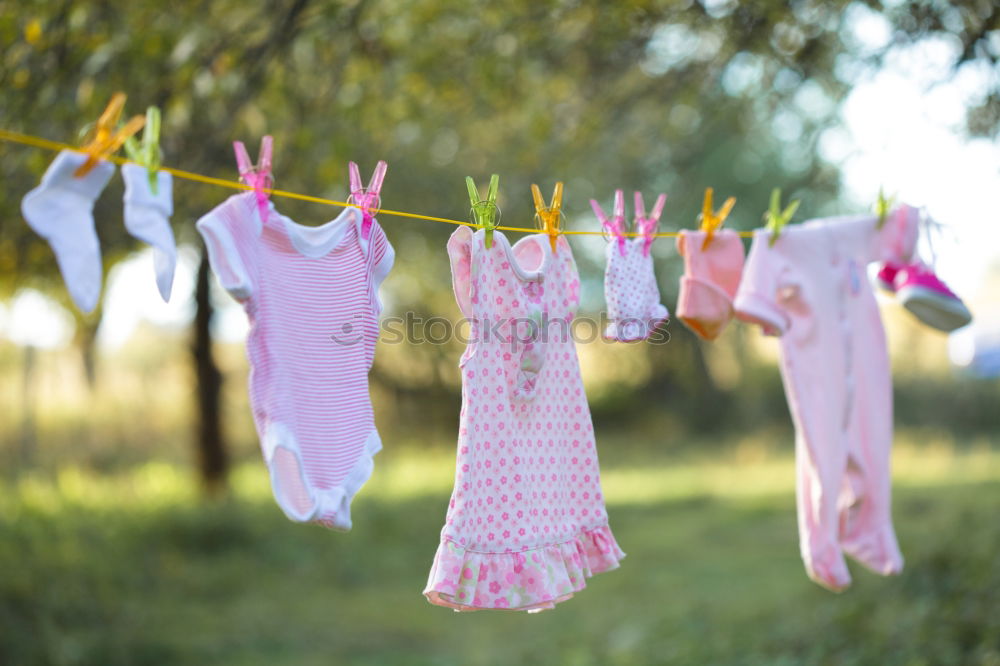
(652, 95)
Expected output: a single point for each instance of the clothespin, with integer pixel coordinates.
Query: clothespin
(712, 221)
(882, 207)
(258, 177)
(775, 218)
(367, 199)
(615, 227)
(148, 153)
(105, 139)
(484, 212)
(550, 216)
(647, 225)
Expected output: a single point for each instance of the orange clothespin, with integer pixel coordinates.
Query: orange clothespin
(105, 137)
(549, 218)
(712, 221)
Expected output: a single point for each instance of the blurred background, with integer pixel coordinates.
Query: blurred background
(136, 523)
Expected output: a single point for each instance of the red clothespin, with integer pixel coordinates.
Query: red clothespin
(647, 225)
(615, 227)
(258, 177)
(367, 199)
(104, 138)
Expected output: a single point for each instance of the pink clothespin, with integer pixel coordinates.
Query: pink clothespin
(616, 225)
(258, 177)
(647, 225)
(367, 199)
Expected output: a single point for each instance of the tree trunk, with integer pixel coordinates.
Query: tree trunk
(86, 343)
(28, 407)
(213, 459)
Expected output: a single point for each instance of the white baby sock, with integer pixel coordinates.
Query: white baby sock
(61, 210)
(147, 218)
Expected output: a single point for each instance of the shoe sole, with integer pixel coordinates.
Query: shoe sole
(887, 287)
(935, 309)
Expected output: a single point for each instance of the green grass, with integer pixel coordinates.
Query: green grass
(134, 568)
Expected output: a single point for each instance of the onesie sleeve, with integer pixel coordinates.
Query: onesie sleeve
(222, 229)
(460, 255)
(896, 241)
(758, 297)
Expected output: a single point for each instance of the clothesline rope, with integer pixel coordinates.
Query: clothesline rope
(46, 144)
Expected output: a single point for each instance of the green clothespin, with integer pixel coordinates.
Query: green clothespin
(148, 152)
(775, 218)
(882, 207)
(485, 213)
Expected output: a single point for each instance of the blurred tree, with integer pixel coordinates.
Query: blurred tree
(969, 32)
(667, 96)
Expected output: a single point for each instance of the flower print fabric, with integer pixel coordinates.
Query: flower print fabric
(631, 292)
(630, 288)
(526, 523)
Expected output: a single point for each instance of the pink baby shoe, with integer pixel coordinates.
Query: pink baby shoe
(886, 276)
(929, 299)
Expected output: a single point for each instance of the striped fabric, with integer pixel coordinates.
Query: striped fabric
(311, 295)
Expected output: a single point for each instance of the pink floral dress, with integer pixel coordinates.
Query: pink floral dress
(526, 524)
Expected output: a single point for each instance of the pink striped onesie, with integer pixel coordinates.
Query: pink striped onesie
(311, 295)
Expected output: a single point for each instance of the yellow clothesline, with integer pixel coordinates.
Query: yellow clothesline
(39, 142)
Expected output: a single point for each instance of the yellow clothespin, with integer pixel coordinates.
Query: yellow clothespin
(549, 218)
(882, 207)
(105, 139)
(712, 221)
(775, 218)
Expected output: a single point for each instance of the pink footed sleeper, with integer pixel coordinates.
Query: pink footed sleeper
(311, 294)
(526, 524)
(630, 289)
(811, 289)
